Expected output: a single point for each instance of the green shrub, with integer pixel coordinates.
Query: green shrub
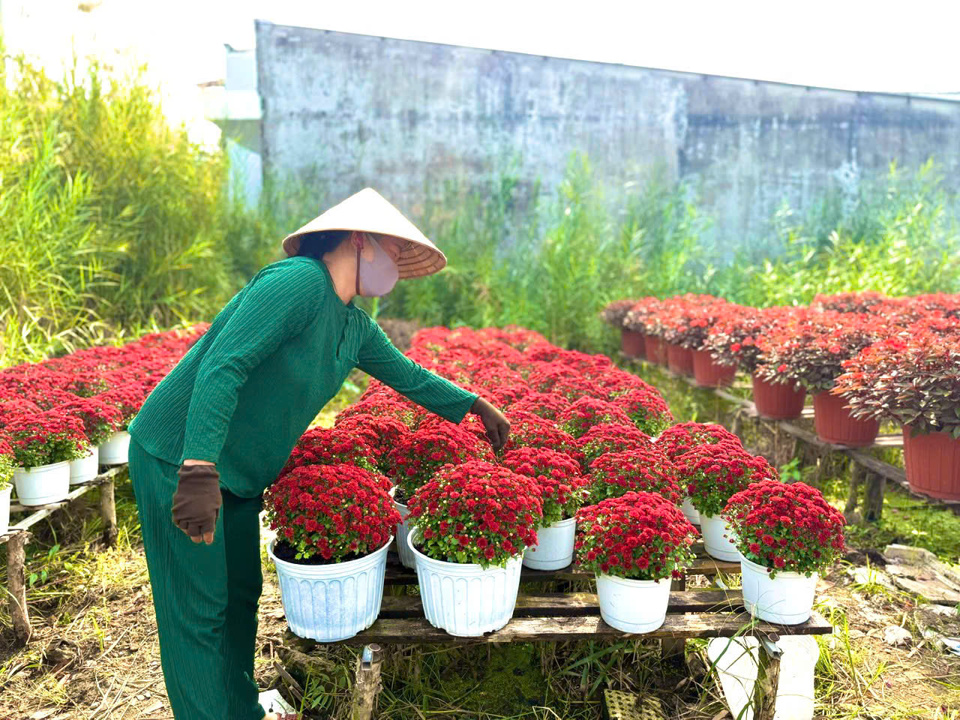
(111, 218)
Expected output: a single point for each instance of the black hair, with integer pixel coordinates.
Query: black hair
(316, 245)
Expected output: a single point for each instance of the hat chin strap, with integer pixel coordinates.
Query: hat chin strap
(358, 270)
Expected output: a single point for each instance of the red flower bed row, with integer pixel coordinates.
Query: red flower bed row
(577, 439)
(566, 410)
(53, 410)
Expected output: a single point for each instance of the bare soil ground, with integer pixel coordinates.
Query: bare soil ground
(100, 658)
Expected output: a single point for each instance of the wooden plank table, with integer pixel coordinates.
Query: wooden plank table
(17, 537)
(554, 616)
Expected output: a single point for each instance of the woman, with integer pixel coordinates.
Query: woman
(218, 429)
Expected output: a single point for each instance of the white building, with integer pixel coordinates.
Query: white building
(234, 105)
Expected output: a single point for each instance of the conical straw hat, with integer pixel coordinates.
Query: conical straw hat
(369, 211)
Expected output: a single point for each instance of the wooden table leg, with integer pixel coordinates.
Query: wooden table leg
(17, 586)
(672, 651)
(769, 677)
(108, 511)
(853, 498)
(367, 685)
(873, 500)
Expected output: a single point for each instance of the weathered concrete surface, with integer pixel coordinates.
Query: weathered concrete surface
(356, 110)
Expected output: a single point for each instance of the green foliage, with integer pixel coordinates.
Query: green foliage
(900, 238)
(551, 264)
(111, 218)
(7, 469)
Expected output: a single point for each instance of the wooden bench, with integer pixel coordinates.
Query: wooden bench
(17, 537)
(551, 616)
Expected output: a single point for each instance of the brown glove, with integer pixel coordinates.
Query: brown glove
(196, 503)
(496, 425)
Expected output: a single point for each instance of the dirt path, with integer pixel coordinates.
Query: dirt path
(101, 660)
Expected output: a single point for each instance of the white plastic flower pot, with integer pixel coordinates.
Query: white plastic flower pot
(86, 468)
(554, 548)
(718, 538)
(43, 484)
(689, 511)
(403, 530)
(465, 599)
(332, 602)
(633, 606)
(5, 508)
(786, 599)
(116, 449)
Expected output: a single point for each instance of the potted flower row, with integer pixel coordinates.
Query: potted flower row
(734, 342)
(802, 346)
(810, 351)
(911, 379)
(471, 526)
(101, 388)
(64, 446)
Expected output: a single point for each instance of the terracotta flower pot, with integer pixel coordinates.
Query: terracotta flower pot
(834, 423)
(709, 373)
(655, 349)
(778, 401)
(932, 462)
(631, 343)
(679, 359)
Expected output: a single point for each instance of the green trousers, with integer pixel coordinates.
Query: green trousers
(205, 597)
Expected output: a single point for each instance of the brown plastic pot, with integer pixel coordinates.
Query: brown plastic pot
(932, 462)
(631, 343)
(778, 401)
(679, 359)
(834, 423)
(709, 373)
(655, 350)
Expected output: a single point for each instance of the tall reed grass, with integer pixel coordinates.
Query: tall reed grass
(111, 218)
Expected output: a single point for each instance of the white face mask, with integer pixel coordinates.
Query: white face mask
(377, 277)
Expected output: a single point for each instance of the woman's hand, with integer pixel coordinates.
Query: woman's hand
(496, 425)
(196, 503)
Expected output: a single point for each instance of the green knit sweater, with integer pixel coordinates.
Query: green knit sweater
(272, 358)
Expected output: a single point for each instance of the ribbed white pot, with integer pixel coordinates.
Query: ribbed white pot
(43, 484)
(86, 468)
(689, 511)
(554, 548)
(403, 530)
(116, 449)
(5, 508)
(333, 602)
(718, 538)
(786, 599)
(465, 599)
(633, 606)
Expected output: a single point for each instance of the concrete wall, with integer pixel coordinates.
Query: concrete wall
(356, 110)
